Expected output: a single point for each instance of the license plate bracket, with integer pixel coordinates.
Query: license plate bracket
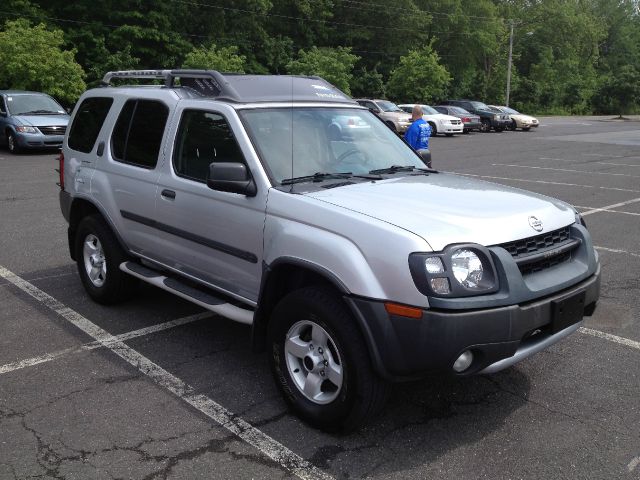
(567, 311)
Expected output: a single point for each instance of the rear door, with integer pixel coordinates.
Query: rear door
(130, 157)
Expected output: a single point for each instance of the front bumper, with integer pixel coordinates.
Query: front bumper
(38, 140)
(405, 348)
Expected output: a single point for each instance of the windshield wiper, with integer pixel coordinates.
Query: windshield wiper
(40, 112)
(316, 177)
(393, 169)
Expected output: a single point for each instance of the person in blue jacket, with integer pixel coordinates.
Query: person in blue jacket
(418, 133)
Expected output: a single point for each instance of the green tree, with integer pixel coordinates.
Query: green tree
(620, 93)
(224, 59)
(32, 58)
(335, 65)
(419, 77)
(368, 83)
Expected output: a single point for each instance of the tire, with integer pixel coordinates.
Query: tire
(449, 134)
(434, 129)
(513, 126)
(486, 126)
(315, 346)
(12, 143)
(98, 256)
(526, 129)
(466, 131)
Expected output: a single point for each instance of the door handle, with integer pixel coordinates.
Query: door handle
(168, 194)
(100, 150)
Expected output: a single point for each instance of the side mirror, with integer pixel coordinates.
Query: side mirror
(425, 155)
(231, 177)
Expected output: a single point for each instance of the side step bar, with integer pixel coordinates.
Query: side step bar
(175, 286)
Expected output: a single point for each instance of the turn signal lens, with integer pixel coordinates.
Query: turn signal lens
(434, 265)
(403, 310)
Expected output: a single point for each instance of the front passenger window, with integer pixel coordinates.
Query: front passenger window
(203, 138)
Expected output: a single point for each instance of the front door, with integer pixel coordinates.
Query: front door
(211, 235)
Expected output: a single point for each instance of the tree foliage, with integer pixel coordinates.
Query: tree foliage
(333, 64)
(419, 77)
(32, 58)
(568, 55)
(224, 59)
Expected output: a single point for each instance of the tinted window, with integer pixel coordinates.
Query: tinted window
(137, 134)
(88, 122)
(203, 138)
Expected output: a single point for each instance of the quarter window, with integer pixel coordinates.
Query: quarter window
(88, 122)
(203, 138)
(137, 135)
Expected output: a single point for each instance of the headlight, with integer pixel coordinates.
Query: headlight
(467, 268)
(23, 129)
(457, 271)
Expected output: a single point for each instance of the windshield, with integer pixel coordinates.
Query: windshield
(427, 110)
(33, 104)
(305, 141)
(480, 106)
(459, 111)
(388, 106)
(510, 111)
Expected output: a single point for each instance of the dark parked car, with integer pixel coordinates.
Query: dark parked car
(469, 120)
(31, 120)
(489, 119)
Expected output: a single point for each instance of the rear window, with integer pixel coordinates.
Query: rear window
(87, 123)
(138, 132)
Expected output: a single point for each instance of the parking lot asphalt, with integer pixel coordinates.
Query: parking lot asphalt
(156, 388)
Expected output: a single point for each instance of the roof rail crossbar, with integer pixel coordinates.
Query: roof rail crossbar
(210, 83)
(150, 74)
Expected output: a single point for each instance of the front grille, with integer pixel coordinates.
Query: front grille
(540, 252)
(456, 122)
(53, 130)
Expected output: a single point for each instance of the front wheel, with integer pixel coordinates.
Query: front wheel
(486, 126)
(99, 255)
(12, 143)
(320, 362)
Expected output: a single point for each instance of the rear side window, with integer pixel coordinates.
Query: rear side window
(203, 138)
(137, 134)
(88, 122)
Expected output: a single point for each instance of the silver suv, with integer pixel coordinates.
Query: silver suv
(278, 202)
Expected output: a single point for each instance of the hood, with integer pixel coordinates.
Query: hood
(445, 209)
(42, 120)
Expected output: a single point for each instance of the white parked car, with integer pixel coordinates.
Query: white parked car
(440, 123)
(518, 120)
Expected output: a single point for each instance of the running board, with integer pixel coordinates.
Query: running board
(175, 286)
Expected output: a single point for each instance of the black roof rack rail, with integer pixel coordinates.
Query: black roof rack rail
(236, 87)
(206, 82)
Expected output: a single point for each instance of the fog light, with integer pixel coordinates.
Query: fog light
(463, 362)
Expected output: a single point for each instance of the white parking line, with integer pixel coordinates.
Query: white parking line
(608, 210)
(601, 155)
(244, 430)
(47, 357)
(612, 338)
(590, 163)
(608, 207)
(565, 170)
(546, 182)
(616, 250)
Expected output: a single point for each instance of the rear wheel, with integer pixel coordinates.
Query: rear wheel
(99, 255)
(320, 362)
(449, 134)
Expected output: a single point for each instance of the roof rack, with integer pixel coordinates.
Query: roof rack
(235, 87)
(206, 82)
